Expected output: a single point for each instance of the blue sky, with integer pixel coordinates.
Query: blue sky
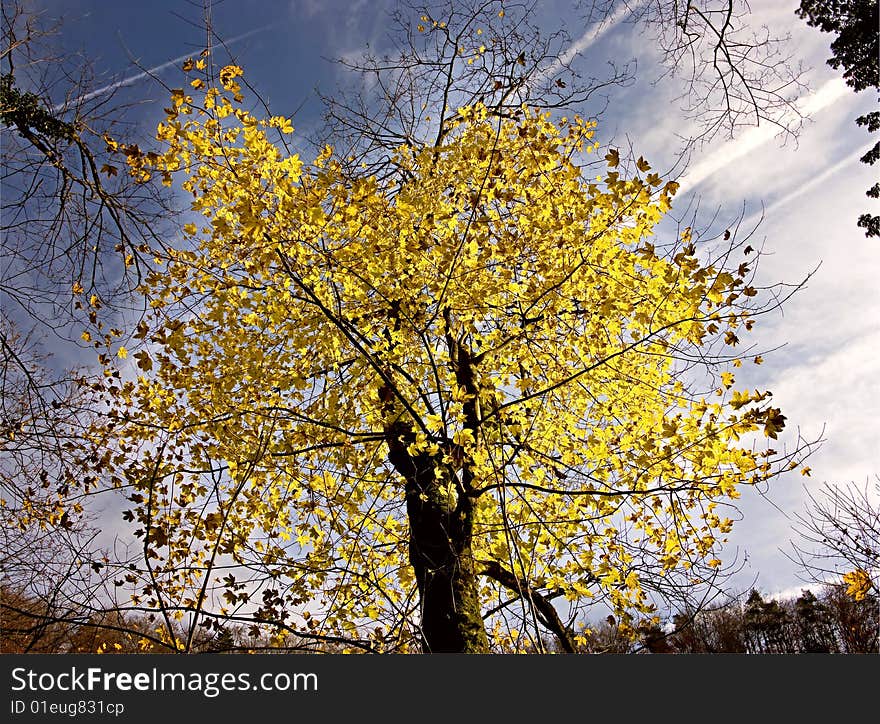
(810, 192)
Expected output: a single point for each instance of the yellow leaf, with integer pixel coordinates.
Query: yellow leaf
(228, 74)
(858, 584)
(613, 158)
(144, 361)
(774, 421)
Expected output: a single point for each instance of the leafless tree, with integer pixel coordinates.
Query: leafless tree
(74, 228)
(731, 72)
(839, 533)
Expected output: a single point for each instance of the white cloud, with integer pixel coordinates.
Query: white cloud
(827, 380)
(822, 179)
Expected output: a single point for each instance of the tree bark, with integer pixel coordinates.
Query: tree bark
(441, 529)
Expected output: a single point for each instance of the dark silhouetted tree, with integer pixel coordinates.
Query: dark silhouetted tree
(856, 50)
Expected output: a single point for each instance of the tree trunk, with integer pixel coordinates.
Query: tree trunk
(440, 553)
(440, 521)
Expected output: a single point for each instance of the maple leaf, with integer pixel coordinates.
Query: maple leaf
(858, 584)
(613, 158)
(774, 422)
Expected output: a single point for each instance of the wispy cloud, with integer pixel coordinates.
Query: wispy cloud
(596, 32)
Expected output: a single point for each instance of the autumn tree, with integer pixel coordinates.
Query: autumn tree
(856, 51)
(856, 620)
(710, 630)
(813, 621)
(446, 400)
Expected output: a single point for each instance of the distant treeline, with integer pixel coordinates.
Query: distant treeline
(831, 622)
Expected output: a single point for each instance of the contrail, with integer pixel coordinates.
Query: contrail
(847, 162)
(131, 80)
(594, 33)
(585, 41)
(756, 137)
